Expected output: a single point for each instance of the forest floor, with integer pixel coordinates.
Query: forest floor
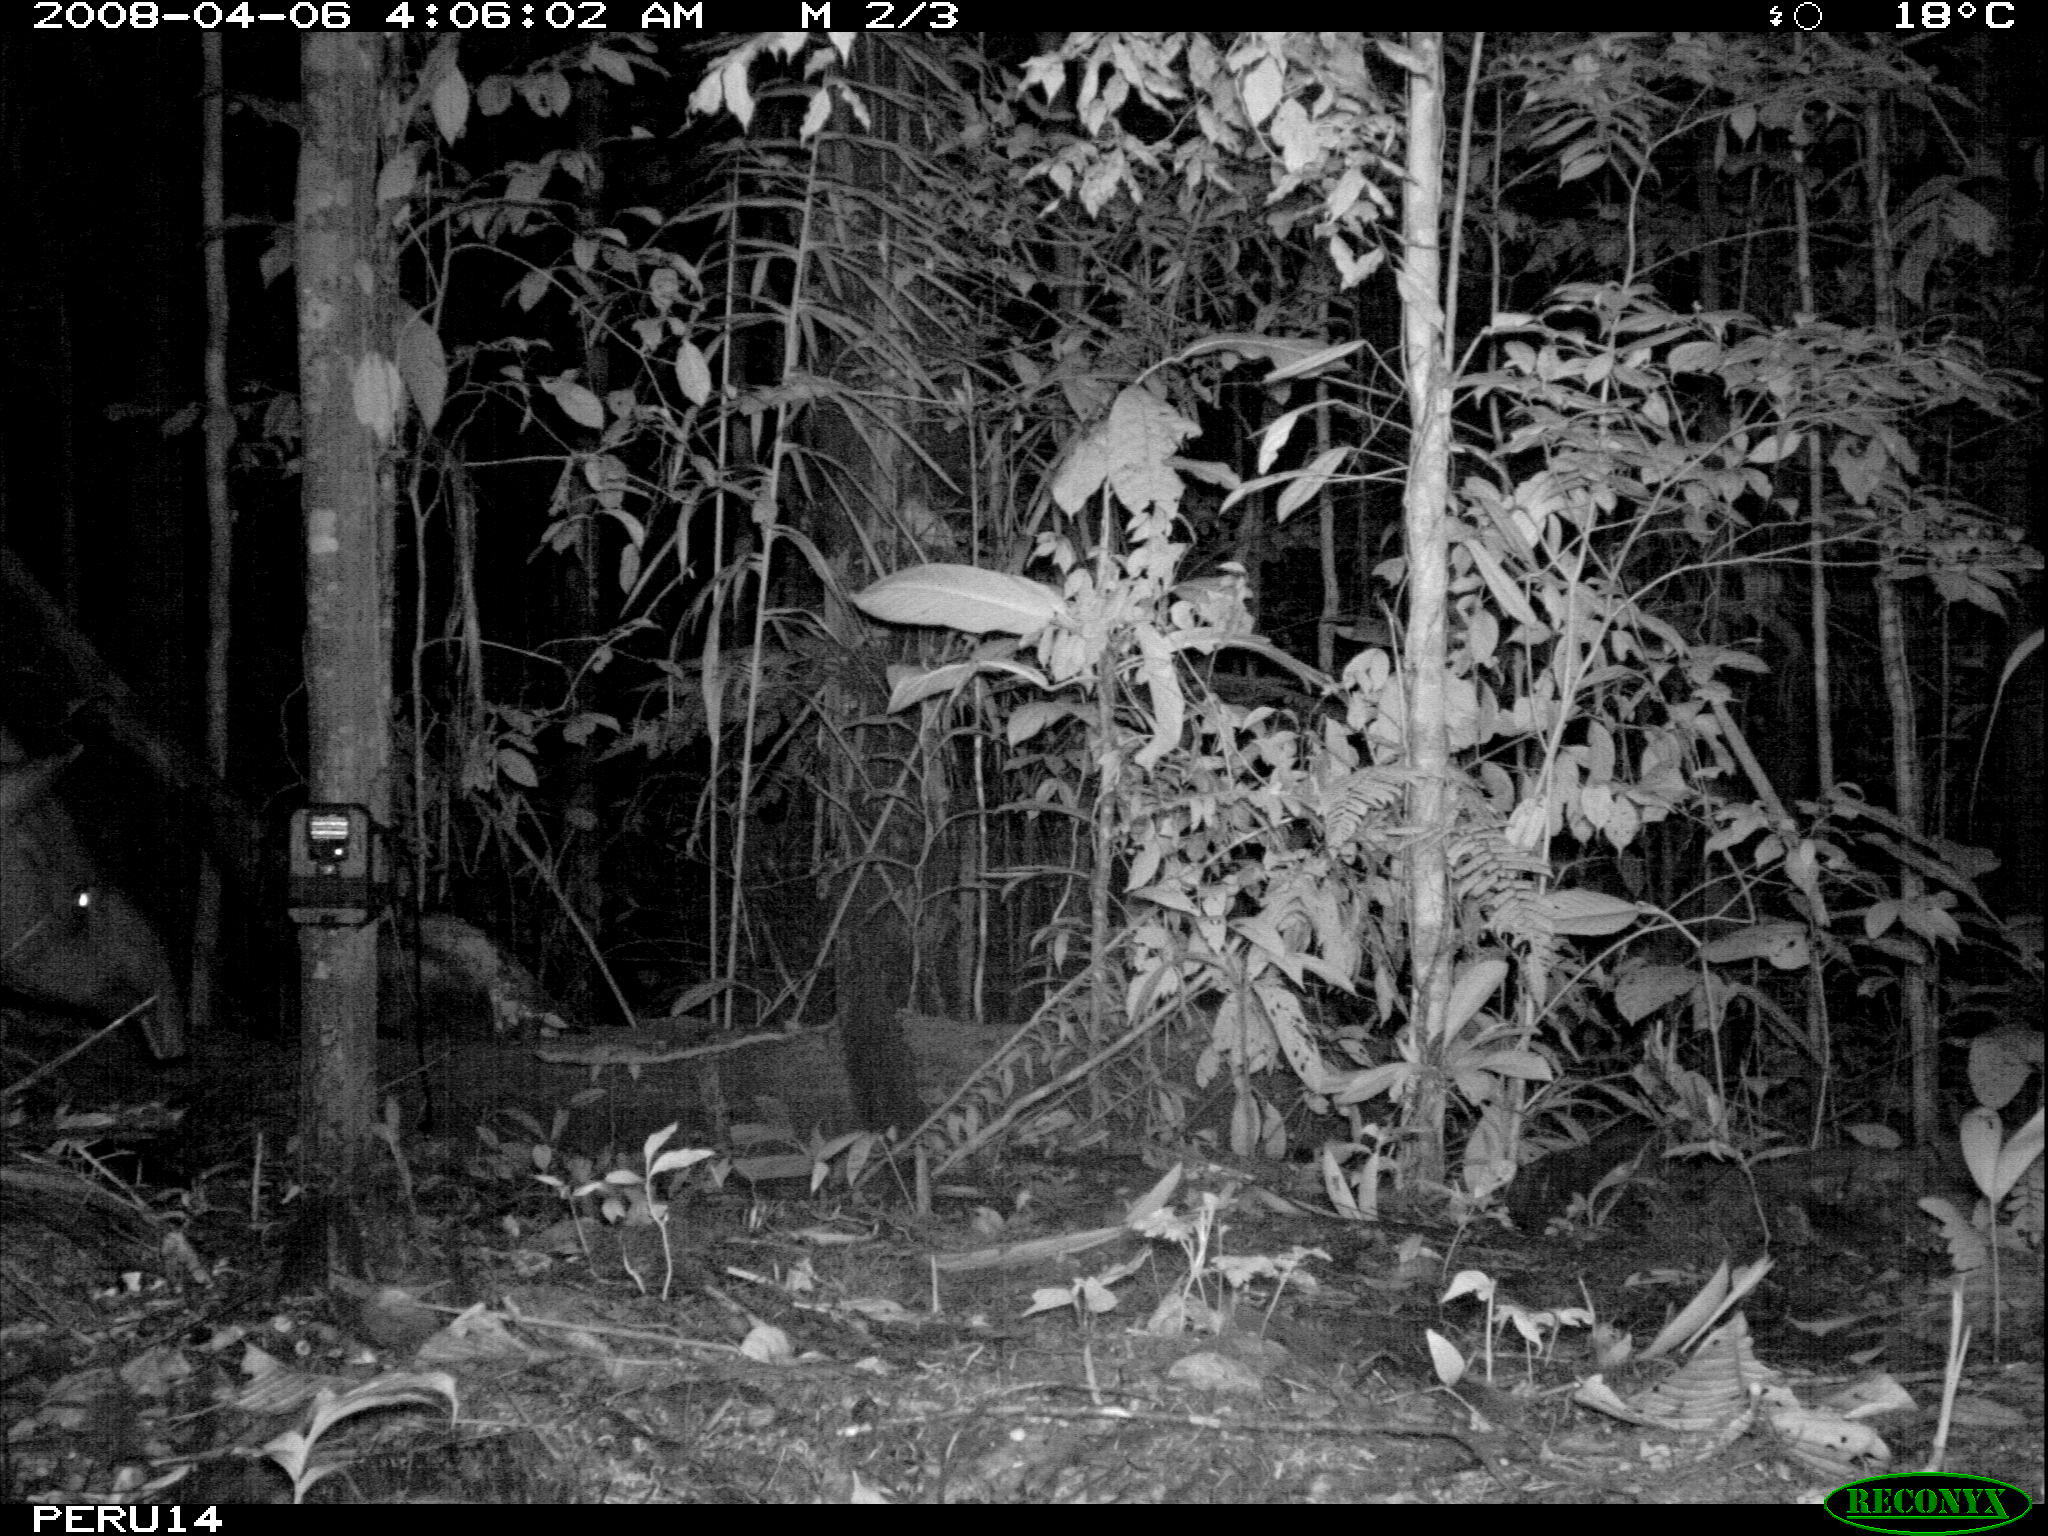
(1118, 1325)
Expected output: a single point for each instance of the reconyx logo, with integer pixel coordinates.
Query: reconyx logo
(1947, 1503)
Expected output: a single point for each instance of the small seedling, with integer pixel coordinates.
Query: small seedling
(632, 1196)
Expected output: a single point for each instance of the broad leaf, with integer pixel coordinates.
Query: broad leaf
(1588, 914)
(1783, 945)
(962, 597)
(1643, 991)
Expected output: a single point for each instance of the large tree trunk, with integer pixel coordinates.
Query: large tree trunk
(875, 952)
(348, 500)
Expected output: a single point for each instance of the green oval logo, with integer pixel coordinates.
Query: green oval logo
(1928, 1503)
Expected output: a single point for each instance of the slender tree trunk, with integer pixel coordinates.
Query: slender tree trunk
(1916, 984)
(219, 439)
(1430, 930)
(583, 832)
(1819, 1028)
(1326, 534)
(1713, 215)
(1818, 647)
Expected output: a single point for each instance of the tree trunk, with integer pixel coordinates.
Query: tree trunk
(220, 440)
(348, 499)
(1430, 930)
(876, 948)
(1916, 982)
(583, 834)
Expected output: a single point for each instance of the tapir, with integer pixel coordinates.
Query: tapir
(69, 939)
